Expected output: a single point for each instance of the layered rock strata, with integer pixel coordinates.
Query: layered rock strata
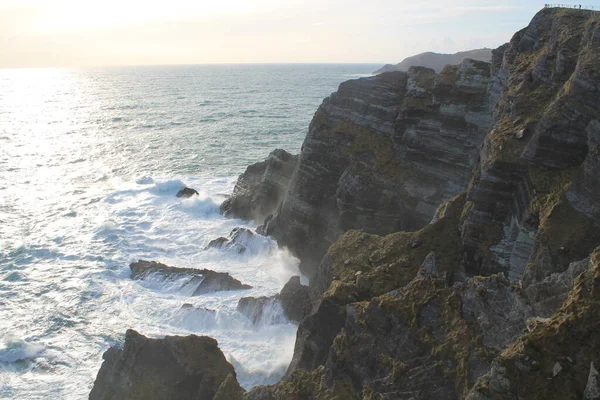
(533, 203)
(381, 154)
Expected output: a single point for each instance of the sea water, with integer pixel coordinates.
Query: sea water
(90, 162)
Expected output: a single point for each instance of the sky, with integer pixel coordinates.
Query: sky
(68, 33)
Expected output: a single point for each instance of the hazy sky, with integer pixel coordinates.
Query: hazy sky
(40, 33)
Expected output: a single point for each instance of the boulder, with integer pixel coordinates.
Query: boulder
(208, 281)
(175, 367)
(187, 192)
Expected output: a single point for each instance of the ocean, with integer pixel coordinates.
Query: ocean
(90, 162)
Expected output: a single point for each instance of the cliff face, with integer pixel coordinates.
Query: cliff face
(538, 176)
(405, 315)
(381, 154)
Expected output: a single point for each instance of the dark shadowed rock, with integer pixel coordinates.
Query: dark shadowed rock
(190, 367)
(208, 281)
(187, 192)
(293, 301)
(427, 269)
(230, 389)
(260, 189)
(553, 360)
(257, 309)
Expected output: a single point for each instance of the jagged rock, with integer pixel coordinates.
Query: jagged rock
(592, 388)
(208, 281)
(547, 295)
(527, 368)
(176, 367)
(423, 341)
(230, 389)
(527, 192)
(427, 269)
(240, 240)
(187, 192)
(293, 301)
(260, 189)
(254, 309)
(381, 154)
(500, 310)
(218, 243)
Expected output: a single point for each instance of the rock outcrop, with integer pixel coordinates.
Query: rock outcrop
(555, 360)
(261, 188)
(381, 154)
(293, 301)
(207, 280)
(190, 367)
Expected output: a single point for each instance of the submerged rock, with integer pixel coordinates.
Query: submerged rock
(175, 367)
(260, 189)
(240, 240)
(208, 281)
(187, 192)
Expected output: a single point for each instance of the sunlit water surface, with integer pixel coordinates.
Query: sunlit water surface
(90, 162)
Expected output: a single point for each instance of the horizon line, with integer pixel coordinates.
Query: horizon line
(196, 64)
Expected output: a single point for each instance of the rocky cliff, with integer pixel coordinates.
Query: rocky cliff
(532, 207)
(381, 154)
(450, 226)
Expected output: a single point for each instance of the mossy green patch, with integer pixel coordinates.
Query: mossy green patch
(390, 262)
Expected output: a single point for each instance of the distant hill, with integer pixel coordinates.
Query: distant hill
(437, 61)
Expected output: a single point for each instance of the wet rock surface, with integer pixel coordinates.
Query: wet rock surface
(190, 367)
(293, 301)
(208, 281)
(260, 189)
(187, 192)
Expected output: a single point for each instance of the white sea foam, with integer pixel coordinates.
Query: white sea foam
(13, 349)
(91, 166)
